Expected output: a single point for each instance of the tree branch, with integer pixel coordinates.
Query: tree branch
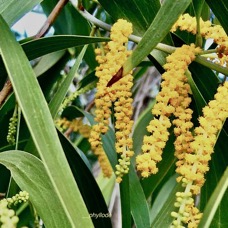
(51, 18)
(6, 90)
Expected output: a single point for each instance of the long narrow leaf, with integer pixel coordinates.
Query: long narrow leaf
(220, 9)
(125, 198)
(30, 174)
(87, 185)
(41, 126)
(61, 93)
(157, 31)
(12, 10)
(42, 46)
(140, 13)
(139, 206)
(214, 201)
(37, 48)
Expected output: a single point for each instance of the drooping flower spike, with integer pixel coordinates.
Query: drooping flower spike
(112, 88)
(173, 99)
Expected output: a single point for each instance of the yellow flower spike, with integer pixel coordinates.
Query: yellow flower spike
(112, 87)
(171, 100)
(195, 164)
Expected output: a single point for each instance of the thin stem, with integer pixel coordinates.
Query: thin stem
(51, 18)
(213, 66)
(22, 208)
(18, 126)
(5, 92)
(162, 47)
(199, 40)
(209, 51)
(94, 20)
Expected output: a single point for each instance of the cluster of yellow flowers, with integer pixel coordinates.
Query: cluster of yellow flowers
(114, 88)
(193, 151)
(20, 197)
(207, 30)
(123, 124)
(75, 125)
(195, 163)
(172, 99)
(12, 130)
(7, 216)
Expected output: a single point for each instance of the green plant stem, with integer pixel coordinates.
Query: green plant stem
(203, 61)
(51, 18)
(22, 208)
(18, 126)
(125, 202)
(94, 20)
(199, 40)
(162, 47)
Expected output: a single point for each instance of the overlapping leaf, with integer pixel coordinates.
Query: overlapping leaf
(139, 13)
(220, 9)
(31, 176)
(42, 129)
(12, 10)
(157, 31)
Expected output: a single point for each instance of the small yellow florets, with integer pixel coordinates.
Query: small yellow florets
(207, 30)
(75, 125)
(188, 213)
(173, 99)
(119, 93)
(8, 219)
(195, 163)
(7, 216)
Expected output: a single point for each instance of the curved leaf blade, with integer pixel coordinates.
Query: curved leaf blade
(46, 45)
(12, 10)
(214, 201)
(30, 174)
(138, 203)
(139, 13)
(87, 185)
(220, 9)
(157, 31)
(37, 48)
(41, 126)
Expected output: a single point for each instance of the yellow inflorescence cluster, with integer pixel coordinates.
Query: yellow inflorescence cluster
(193, 151)
(207, 30)
(8, 217)
(195, 164)
(172, 99)
(75, 125)
(111, 59)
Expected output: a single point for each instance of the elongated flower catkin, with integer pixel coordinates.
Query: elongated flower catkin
(111, 59)
(195, 164)
(172, 99)
(181, 58)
